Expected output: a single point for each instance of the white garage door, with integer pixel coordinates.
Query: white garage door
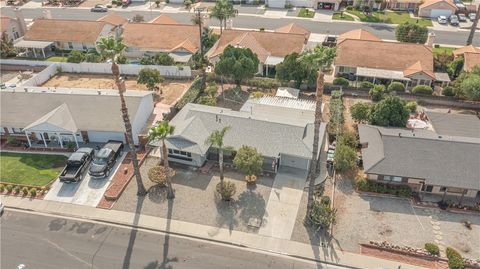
(440, 12)
(102, 137)
(292, 161)
(276, 3)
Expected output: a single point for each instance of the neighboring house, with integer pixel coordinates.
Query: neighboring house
(270, 47)
(11, 28)
(293, 28)
(450, 124)
(435, 8)
(358, 34)
(282, 142)
(114, 19)
(45, 34)
(404, 5)
(47, 117)
(471, 57)
(315, 4)
(181, 41)
(411, 64)
(422, 159)
(164, 19)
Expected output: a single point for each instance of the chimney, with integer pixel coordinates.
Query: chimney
(47, 14)
(430, 39)
(21, 21)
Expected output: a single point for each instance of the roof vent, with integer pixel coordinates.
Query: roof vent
(99, 92)
(439, 137)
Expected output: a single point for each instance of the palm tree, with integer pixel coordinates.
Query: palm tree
(160, 132)
(474, 27)
(313, 170)
(219, 12)
(216, 139)
(230, 12)
(110, 48)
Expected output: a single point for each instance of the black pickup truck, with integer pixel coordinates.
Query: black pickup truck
(77, 163)
(105, 159)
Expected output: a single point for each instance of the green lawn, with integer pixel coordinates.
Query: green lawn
(30, 169)
(306, 13)
(390, 17)
(442, 50)
(56, 59)
(342, 17)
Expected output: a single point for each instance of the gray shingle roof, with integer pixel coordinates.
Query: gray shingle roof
(455, 124)
(440, 160)
(194, 123)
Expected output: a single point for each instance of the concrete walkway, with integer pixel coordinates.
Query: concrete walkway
(283, 203)
(250, 240)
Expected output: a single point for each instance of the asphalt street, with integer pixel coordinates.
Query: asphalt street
(246, 21)
(43, 241)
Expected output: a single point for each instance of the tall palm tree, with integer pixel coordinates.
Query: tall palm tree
(219, 12)
(216, 139)
(313, 170)
(474, 27)
(230, 12)
(110, 48)
(160, 132)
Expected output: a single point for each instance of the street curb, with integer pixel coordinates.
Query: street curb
(181, 235)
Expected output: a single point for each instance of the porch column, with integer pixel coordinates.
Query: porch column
(75, 137)
(43, 53)
(59, 140)
(28, 139)
(34, 53)
(374, 78)
(266, 73)
(43, 138)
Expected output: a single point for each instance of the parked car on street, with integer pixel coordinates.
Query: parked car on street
(454, 20)
(77, 163)
(462, 17)
(442, 20)
(2, 208)
(99, 8)
(472, 16)
(105, 159)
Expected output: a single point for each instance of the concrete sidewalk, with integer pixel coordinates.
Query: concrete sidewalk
(250, 240)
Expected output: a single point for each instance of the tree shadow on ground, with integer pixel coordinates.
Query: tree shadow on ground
(322, 242)
(227, 211)
(157, 193)
(251, 204)
(133, 233)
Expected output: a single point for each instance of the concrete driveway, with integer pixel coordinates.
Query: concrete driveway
(88, 191)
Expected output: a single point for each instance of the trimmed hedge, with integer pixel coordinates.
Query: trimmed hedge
(384, 188)
(422, 90)
(432, 249)
(448, 91)
(192, 93)
(367, 84)
(455, 260)
(396, 87)
(341, 81)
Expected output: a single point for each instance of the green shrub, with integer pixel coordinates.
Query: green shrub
(2, 188)
(9, 188)
(348, 138)
(25, 190)
(263, 83)
(412, 106)
(448, 91)
(396, 87)
(211, 77)
(432, 249)
(364, 184)
(341, 81)
(16, 189)
(76, 56)
(12, 141)
(114, 2)
(422, 90)
(325, 200)
(191, 95)
(366, 84)
(455, 260)
(207, 100)
(349, 8)
(377, 93)
(33, 192)
(337, 94)
(228, 191)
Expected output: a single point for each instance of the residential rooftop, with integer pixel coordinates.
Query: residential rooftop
(450, 124)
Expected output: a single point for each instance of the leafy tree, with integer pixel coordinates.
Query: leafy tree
(448, 91)
(187, 4)
(345, 158)
(396, 87)
(248, 160)
(76, 56)
(163, 58)
(215, 139)
(411, 106)
(6, 47)
(341, 81)
(149, 77)
(377, 92)
(390, 112)
(360, 112)
(471, 87)
(318, 58)
(455, 67)
(226, 190)
(237, 63)
(209, 38)
(160, 132)
(92, 56)
(207, 100)
(109, 48)
(441, 61)
(223, 10)
(292, 69)
(455, 260)
(411, 33)
(321, 215)
(348, 138)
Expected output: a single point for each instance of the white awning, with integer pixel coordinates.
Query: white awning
(381, 73)
(442, 77)
(29, 44)
(180, 57)
(272, 60)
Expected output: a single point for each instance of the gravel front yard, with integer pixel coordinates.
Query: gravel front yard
(196, 201)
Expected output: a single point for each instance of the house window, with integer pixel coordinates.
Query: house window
(427, 188)
(16, 35)
(17, 130)
(170, 151)
(346, 69)
(70, 45)
(179, 152)
(443, 189)
(392, 178)
(455, 190)
(84, 46)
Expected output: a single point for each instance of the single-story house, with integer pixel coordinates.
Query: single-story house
(113, 18)
(449, 124)
(282, 142)
(422, 159)
(315, 4)
(471, 56)
(409, 63)
(181, 41)
(55, 117)
(63, 34)
(436, 8)
(270, 47)
(293, 28)
(403, 5)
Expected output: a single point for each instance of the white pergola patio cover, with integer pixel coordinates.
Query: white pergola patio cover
(58, 120)
(381, 73)
(29, 44)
